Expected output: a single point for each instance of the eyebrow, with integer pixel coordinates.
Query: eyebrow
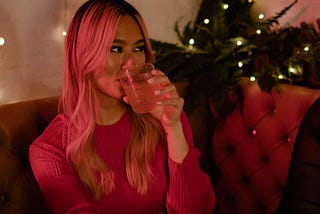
(123, 41)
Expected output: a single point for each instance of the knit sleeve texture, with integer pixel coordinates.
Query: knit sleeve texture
(60, 187)
(190, 190)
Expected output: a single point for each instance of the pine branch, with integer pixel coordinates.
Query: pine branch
(269, 22)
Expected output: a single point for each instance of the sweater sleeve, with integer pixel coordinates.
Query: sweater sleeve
(190, 190)
(60, 187)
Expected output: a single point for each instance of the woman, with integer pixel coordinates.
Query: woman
(97, 155)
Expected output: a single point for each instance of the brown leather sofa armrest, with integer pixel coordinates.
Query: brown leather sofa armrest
(20, 124)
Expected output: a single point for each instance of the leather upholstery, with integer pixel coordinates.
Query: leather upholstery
(20, 124)
(251, 151)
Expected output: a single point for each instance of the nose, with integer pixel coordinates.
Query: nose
(127, 62)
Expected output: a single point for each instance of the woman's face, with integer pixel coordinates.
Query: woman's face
(128, 48)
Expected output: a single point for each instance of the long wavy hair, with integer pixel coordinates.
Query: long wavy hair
(87, 46)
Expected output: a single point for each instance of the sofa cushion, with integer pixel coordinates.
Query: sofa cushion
(252, 148)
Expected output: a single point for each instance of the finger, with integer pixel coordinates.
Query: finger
(169, 89)
(163, 80)
(177, 102)
(157, 72)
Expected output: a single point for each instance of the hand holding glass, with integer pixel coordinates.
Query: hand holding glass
(140, 92)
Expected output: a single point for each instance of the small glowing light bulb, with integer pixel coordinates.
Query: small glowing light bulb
(292, 70)
(281, 77)
(250, 1)
(64, 33)
(252, 79)
(239, 43)
(191, 41)
(258, 31)
(2, 41)
(225, 6)
(306, 49)
(240, 64)
(206, 21)
(261, 16)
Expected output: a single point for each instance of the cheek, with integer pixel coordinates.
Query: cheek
(140, 58)
(112, 64)
(106, 82)
(102, 78)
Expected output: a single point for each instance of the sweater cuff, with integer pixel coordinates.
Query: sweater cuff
(191, 160)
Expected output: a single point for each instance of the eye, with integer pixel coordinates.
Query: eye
(140, 48)
(116, 49)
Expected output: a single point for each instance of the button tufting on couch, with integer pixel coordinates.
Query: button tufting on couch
(252, 148)
(20, 124)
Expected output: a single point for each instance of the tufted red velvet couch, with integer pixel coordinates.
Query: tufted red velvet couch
(20, 124)
(252, 148)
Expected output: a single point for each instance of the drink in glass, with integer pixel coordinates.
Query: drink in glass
(139, 91)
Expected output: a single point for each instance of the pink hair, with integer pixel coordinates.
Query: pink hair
(87, 45)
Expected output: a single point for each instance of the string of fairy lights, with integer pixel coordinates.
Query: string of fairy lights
(239, 41)
(192, 41)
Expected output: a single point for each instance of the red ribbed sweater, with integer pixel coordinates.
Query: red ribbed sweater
(176, 188)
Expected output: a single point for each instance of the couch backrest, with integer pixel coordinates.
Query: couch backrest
(20, 124)
(251, 151)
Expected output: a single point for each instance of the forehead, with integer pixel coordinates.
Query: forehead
(128, 29)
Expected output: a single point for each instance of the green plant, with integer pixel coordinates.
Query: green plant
(228, 46)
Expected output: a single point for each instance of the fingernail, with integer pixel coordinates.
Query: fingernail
(157, 92)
